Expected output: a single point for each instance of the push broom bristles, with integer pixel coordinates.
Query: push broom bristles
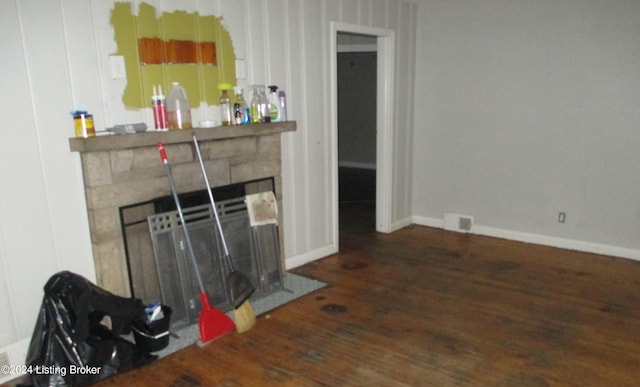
(244, 316)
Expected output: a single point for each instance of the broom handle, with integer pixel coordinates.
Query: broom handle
(213, 203)
(174, 192)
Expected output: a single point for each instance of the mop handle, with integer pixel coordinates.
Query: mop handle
(213, 203)
(167, 167)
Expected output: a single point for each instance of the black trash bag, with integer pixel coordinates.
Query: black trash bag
(70, 346)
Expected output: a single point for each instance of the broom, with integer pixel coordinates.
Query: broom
(240, 287)
(212, 322)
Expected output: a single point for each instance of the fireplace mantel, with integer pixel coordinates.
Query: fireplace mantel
(120, 170)
(151, 138)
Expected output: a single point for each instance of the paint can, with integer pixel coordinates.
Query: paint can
(83, 123)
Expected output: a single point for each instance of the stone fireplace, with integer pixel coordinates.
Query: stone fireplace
(120, 170)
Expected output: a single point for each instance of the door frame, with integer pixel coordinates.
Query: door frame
(385, 86)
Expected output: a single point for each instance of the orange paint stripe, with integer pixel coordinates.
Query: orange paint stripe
(158, 51)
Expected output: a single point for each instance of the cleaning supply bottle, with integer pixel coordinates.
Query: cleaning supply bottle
(225, 104)
(282, 103)
(178, 110)
(241, 115)
(256, 113)
(274, 105)
(265, 114)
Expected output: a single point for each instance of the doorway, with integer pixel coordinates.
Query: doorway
(384, 96)
(357, 57)
(357, 75)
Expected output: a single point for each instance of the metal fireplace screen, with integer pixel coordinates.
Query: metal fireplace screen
(254, 251)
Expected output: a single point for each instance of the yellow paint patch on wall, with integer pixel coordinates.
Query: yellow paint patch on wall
(199, 80)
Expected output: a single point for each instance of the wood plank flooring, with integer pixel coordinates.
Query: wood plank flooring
(426, 307)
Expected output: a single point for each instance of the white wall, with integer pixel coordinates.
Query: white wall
(527, 109)
(56, 58)
(43, 226)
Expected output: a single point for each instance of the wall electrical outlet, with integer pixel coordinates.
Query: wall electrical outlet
(241, 69)
(118, 68)
(561, 217)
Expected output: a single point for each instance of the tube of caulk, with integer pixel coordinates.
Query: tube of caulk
(164, 124)
(156, 108)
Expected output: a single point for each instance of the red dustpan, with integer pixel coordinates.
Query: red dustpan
(213, 323)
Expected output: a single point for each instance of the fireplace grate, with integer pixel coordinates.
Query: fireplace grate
(254, 251)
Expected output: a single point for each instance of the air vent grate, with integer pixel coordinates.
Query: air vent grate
(457, 222)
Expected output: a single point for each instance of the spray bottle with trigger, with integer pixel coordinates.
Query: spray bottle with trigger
(274, 104)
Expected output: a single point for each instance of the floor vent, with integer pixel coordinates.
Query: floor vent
(457, 222)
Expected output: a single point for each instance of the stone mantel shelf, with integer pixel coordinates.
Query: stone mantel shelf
(151, 138)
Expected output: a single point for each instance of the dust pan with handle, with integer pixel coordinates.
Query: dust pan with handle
(239, 286)
(212, 322)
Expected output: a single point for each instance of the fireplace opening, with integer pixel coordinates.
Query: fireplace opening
(158, 268)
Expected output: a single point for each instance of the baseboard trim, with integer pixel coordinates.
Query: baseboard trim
(357, 165)
(545, 240)
(17, 353)
(429, 222)
(402, 223)
(564, 243)
(311, 256)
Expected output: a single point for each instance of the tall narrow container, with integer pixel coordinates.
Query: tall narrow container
(225, 104)
(256, 110)
(162, 110)
(282, 102)
(259, 105)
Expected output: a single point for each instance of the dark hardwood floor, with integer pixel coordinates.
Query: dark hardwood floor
(356, 184)
(427, 307)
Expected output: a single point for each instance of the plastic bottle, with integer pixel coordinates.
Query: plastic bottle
(256, 111)
(225, 105)
(178, 110)
(274, 105)
(241, 115)
(265, 114)
(282, 102)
